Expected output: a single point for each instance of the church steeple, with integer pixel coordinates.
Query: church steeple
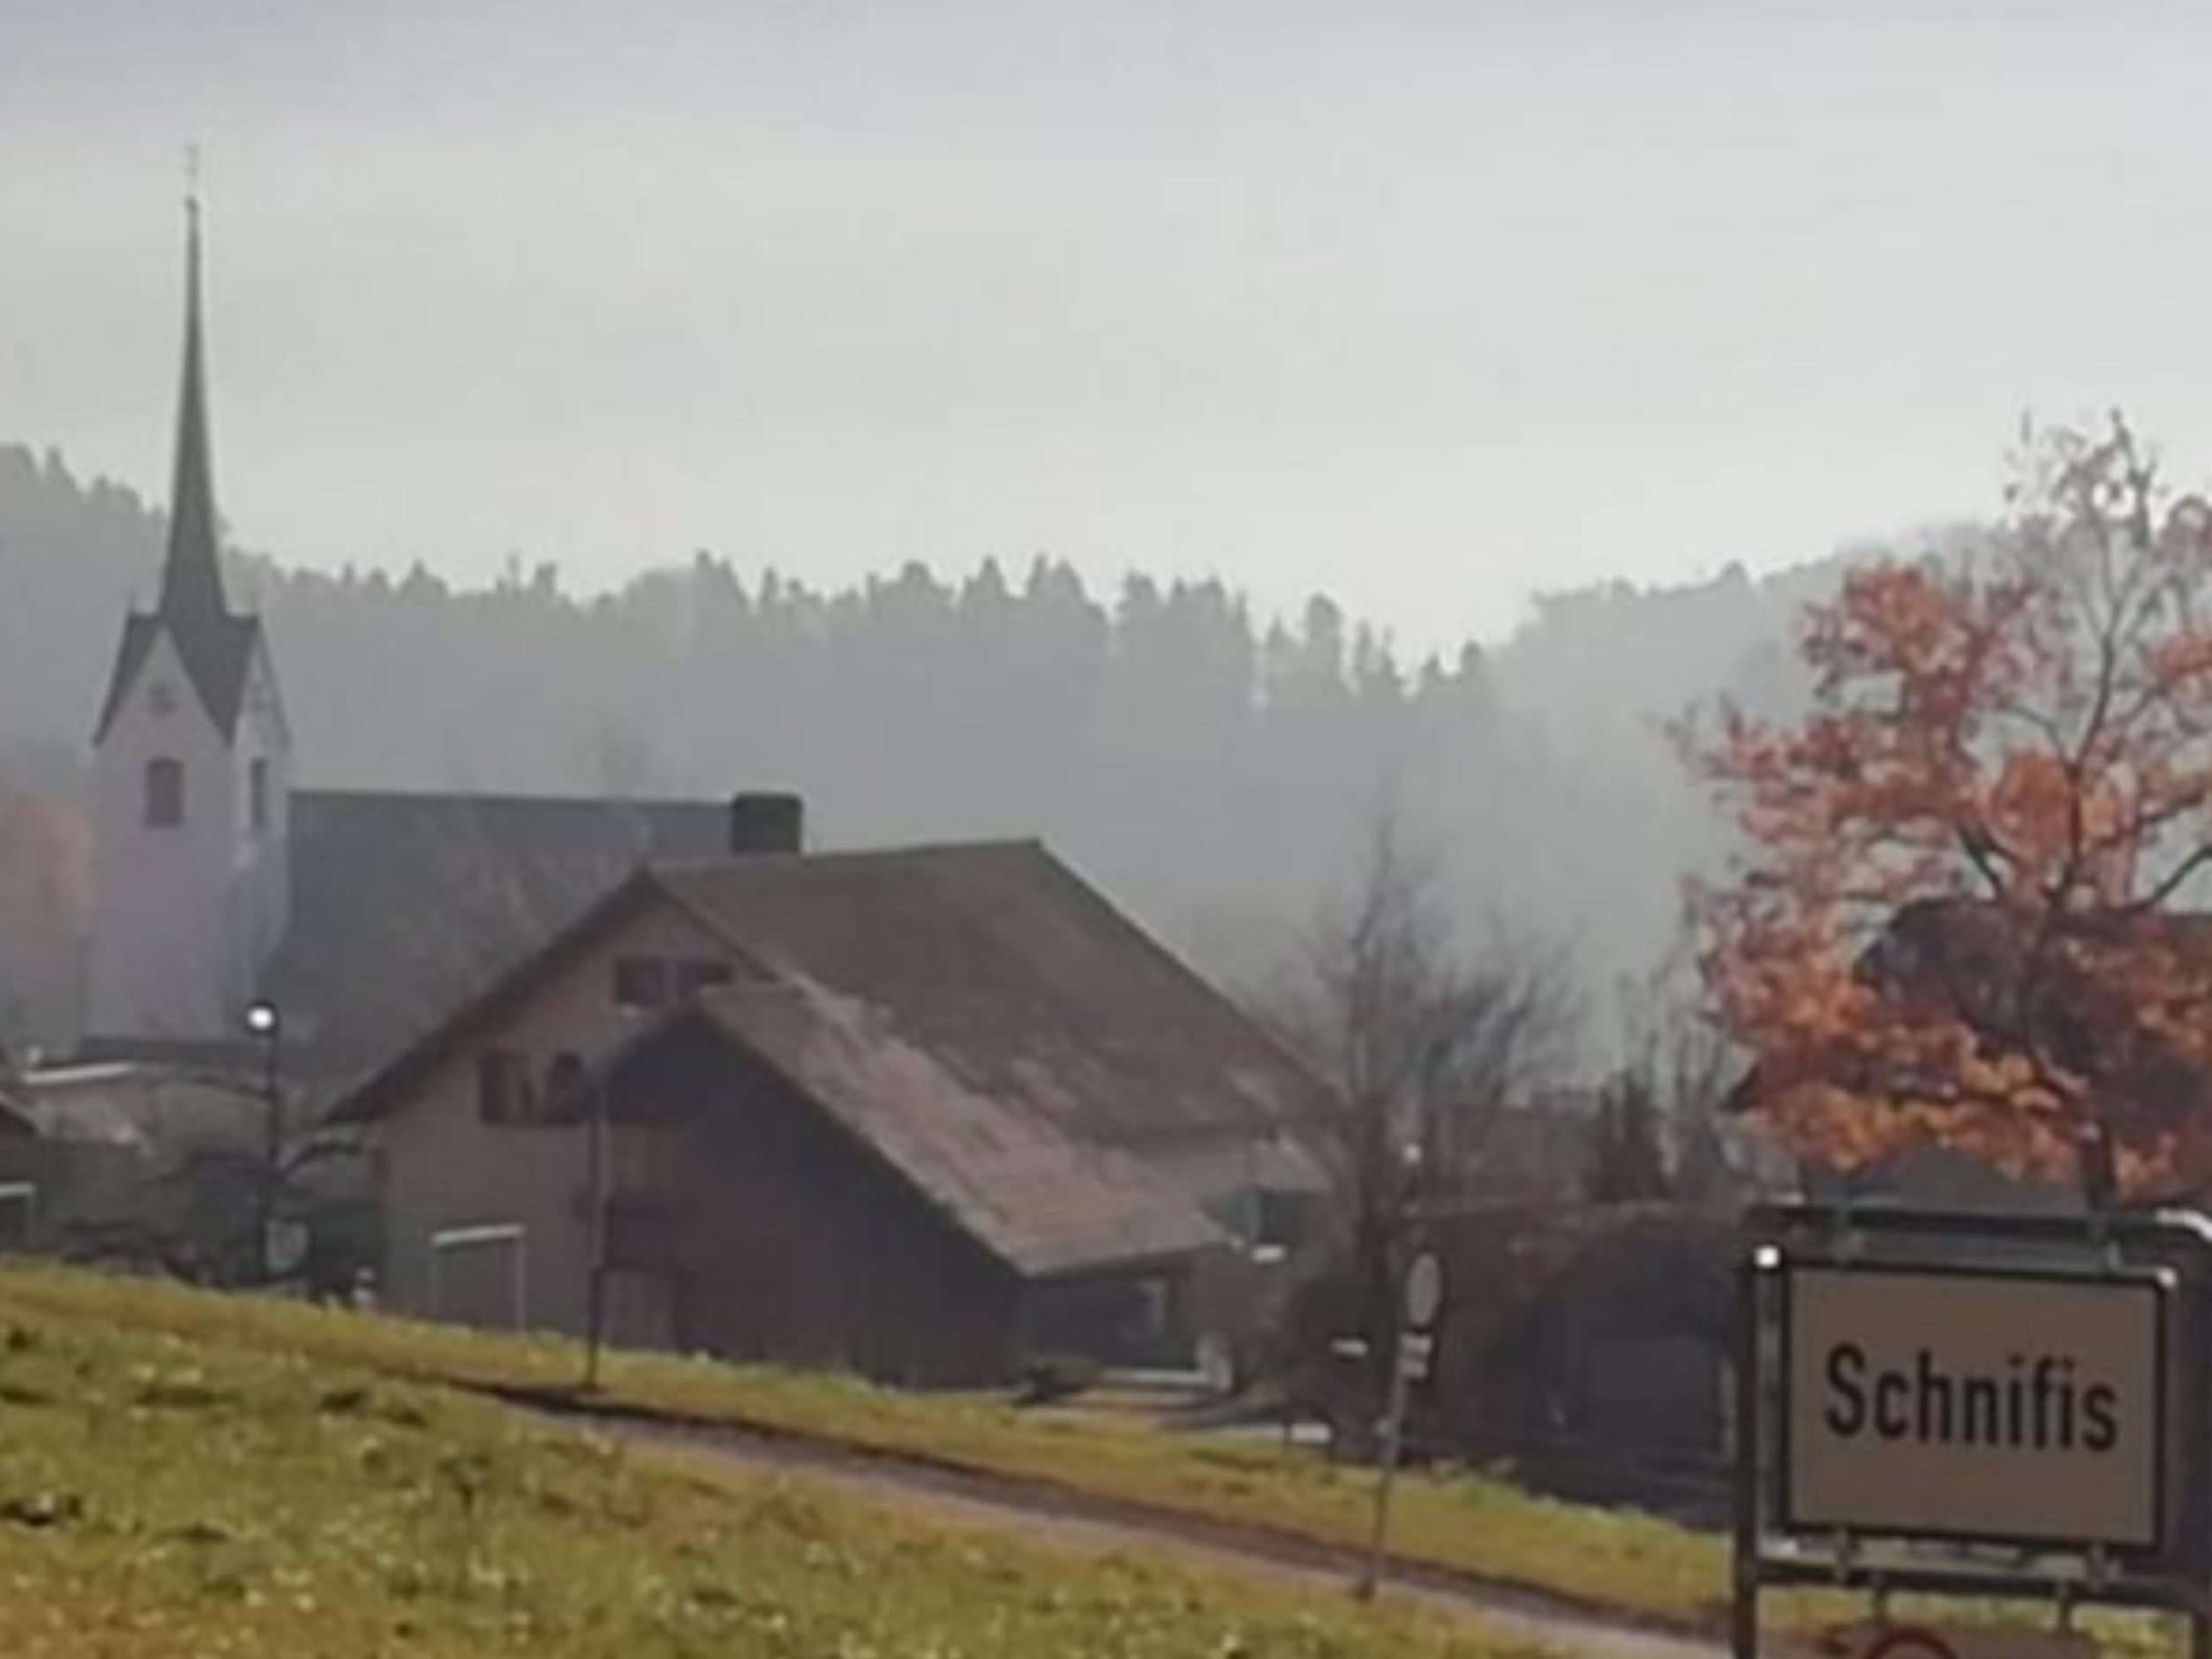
(192, 573)
(191, 770)
(217, 645)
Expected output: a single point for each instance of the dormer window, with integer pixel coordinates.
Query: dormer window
(257, 794)
(164, 793)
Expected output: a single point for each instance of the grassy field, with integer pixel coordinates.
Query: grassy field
(162, 1495)
(1606, 1559)
(185, 1472)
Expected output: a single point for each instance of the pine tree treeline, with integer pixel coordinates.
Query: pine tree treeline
(1214, 769)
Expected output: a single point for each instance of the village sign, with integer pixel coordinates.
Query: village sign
(1986, 1406)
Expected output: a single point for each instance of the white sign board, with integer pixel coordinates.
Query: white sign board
(1986, 1405)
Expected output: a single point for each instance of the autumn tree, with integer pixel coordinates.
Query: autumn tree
(1961, 914)
(45, 902)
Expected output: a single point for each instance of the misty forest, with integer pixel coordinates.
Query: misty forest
(1215, 768)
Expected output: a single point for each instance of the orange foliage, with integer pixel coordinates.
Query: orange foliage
(45, 872)
(2007, 768)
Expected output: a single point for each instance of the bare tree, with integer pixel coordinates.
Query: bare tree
(1427, 1041)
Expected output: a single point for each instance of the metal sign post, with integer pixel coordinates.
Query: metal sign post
(1423, 1300)
(1989, 1405)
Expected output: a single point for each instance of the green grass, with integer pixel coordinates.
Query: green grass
(1615, 1560)
(215, 1494)
(106, 1415)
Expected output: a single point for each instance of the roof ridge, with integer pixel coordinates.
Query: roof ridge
(743, 861)
(501, 798)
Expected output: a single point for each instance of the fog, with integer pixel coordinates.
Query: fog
(1436, 312)
(1434, 308)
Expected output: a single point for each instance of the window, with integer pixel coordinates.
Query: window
(257, 794)
(164, 793)
(651, 982)
(694, 977)
(641, 982)
(503, 1090)
(567, 1098)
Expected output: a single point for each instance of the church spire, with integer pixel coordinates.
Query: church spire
(191, 576)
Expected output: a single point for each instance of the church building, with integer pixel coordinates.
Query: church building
(192, 776)
(360, 917)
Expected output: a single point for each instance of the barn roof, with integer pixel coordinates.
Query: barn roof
(1001, 961)
(1043, 1201)
(979, 1016)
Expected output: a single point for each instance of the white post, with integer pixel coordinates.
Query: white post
(1393, 1445)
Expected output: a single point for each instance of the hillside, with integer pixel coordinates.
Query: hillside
(162, 1496)
(1215, 770)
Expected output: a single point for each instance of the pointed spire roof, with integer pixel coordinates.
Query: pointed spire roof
(217, 647)
(191, 573)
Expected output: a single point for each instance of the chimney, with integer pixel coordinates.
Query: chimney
(767, 824)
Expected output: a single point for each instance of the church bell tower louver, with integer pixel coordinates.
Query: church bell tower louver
(192, 773)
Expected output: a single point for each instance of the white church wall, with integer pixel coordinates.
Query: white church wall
(161, 953)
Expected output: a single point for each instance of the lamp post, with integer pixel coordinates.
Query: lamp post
(267, 1025)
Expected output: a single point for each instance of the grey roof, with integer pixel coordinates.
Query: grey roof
(1025, 1057)
(1019, 976)
(218, 653)
(191, 575)
(1034, 1063)
(218, 647)
(405, 905)
(1042, 1201)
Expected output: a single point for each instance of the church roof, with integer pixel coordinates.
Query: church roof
(217, 646)
(218, 655)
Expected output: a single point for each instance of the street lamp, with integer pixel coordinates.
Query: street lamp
(267, 1025)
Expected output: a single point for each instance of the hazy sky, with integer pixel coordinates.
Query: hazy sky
(1434, 305)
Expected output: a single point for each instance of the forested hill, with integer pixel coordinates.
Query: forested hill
(1213, 768)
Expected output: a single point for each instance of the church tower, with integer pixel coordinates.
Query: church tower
(192, 775)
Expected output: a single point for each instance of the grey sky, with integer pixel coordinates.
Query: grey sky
(1432, 305)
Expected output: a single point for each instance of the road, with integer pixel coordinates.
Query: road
(1038, 1513)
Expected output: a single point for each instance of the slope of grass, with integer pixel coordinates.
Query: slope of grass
(1630, 1562)
(162, 1495)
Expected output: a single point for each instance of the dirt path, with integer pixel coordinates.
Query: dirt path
(1103, 1525)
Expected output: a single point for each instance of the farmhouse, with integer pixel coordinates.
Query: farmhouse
(921, 1112)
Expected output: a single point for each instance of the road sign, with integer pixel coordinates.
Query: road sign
(1417, 1352)
(1424, 1291)
(2035, 1386)
(1954, 1402)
